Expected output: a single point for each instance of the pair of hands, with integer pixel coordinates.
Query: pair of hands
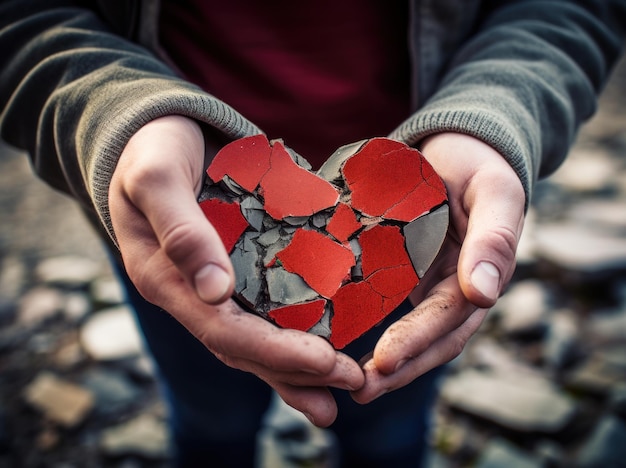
(177, 261)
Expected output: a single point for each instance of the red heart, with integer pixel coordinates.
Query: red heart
(332, 252)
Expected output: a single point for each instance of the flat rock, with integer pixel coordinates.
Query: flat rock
(113, 391)
(521, 404)
(500, 453)
(580, 248)
(70, 270)
(606, 446)
(107, 290)
(145, 436)
(39, 305)
(63, 402)
(601, 372)
(524, 308)
(111, 334)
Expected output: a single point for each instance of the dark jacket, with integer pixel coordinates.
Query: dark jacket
(79, 78)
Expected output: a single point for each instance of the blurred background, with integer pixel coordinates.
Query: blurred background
(543, 384)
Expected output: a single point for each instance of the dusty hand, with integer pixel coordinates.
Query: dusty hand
(178, 262)
(476, 262)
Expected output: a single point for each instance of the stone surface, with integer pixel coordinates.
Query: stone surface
(523, 308)
(114, 393)
(331, 229)
(69, 270)
(63, 402)
(144, 436)
(581, 248)
(39, 305)
(111, 334)
(501, 453)
(522, 404)
(606, 447)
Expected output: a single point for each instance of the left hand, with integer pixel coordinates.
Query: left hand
(476, 262)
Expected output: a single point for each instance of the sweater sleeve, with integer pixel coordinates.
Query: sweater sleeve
(525, 80)
(72, 93)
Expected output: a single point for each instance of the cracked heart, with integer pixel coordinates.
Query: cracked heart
(331, 252)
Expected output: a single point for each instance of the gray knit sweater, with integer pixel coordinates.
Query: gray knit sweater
(79, 78)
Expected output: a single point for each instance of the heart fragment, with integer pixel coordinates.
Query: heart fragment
(331, 252)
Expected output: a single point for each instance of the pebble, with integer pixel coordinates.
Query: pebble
(144, 436)
(107, 290)
(69, 271)
(500, 453)
(39, 305)
(111, 334)
(524, 308)
(581, 248)
(522, 404)
(562, 341)
(114, 392)
(61, 401)
(600, 372)
(606, 447)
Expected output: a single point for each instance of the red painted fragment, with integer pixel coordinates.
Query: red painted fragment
(357, 308)
(426, 196)
(343, 223)
(382, 247)
(245, 161)
(227, 220)
(321, 262)
(379, 181)
(394, 281)
(291, 190)
(299, 316)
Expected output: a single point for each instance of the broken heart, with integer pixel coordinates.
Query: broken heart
(331, 252)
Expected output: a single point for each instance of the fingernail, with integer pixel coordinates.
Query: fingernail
(309, 417)
(401, 363)
(486, 278)
(212, 283)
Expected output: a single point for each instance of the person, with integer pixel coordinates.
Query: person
(121, 104)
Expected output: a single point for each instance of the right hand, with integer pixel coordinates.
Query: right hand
(177, 261)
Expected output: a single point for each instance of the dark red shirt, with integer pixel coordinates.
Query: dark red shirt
(318, 74)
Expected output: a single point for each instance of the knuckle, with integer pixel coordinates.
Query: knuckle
(178, 242)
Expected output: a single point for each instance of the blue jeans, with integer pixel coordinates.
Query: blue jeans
(216, 411)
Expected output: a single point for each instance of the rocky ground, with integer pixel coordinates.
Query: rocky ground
(543, 384)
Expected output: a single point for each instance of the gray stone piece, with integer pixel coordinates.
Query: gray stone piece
(111, 334)
(69, 270)
(524, 308)
(248, 281)
(331, 169)
(424, 238)
(113, 391)
(253, 211)
(500, 453)
(322, 328)
(523, 404)
(63, 402)
(233, 186)
(287, 288)
(607, 445)
(145, 436)
(269, 237)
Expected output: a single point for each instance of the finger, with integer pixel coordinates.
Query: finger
(442, 351)
(346, 374)
(316, 403)
(443, 310)
(496, 217)
(172, 171)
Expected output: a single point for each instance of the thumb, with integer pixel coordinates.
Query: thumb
(495, 198)
(153, 197)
